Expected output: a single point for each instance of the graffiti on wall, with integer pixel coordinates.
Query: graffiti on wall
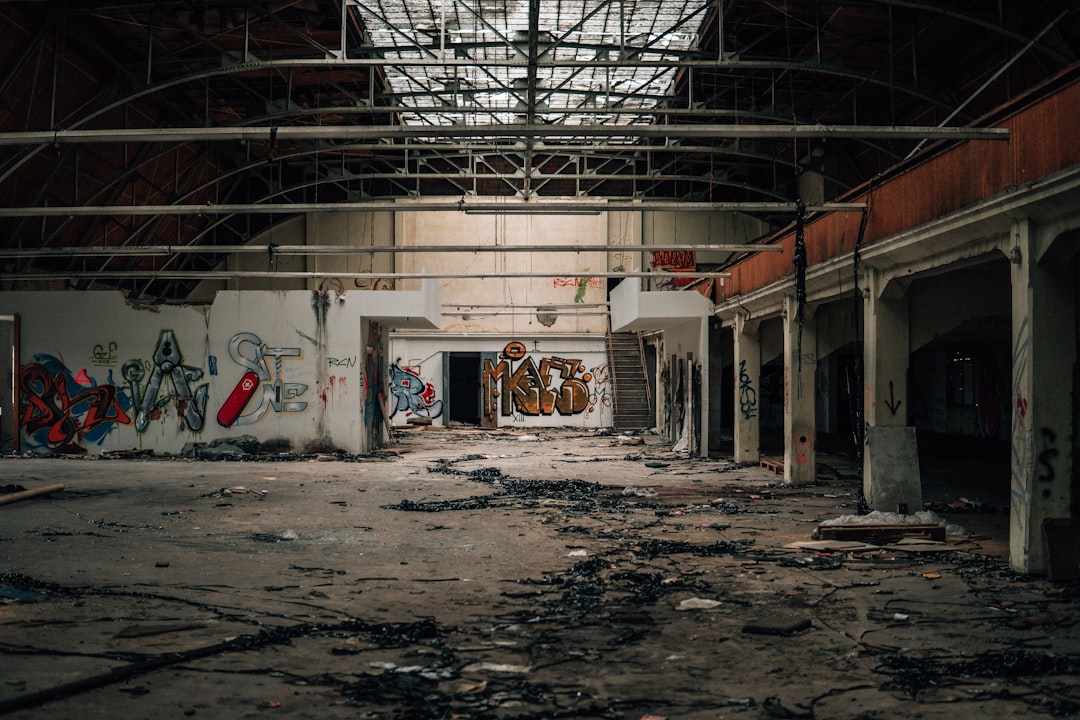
(412, 394)
(265, 378)
(516, 384)
(674, 261)
(149, 397)
(600, 396)
(338, 285)
(1023, 439)
(104, 354)
(64, 411)
(748, 401)
(579, 284)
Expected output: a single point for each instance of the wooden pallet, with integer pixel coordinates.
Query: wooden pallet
(880, 534)
(773, 466)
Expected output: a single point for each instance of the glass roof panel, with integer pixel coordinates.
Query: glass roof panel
(465, 62)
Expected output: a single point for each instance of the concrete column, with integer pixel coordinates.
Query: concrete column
(800, 373)
(703, 391)
(886, 354)
(1044, 341)
(747, 384)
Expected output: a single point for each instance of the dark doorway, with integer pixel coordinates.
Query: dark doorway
(463, 388)
(9, 369)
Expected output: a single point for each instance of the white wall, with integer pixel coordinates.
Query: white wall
(89, 361)
(473, 300)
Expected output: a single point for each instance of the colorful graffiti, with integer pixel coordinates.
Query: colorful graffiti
(528, 389)
(674, 261)
(412, 394)
(248, 351)
(64, 411)
(578, 282)
(167, 362)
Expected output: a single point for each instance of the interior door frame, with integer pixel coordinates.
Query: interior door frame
(12, 393)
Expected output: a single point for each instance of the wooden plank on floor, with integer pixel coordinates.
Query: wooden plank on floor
(772, 465)
(880, 534)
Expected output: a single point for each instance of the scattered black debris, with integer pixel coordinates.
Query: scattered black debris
(132, 454)
(913, 675)
(268, 538)
(445, 466)
(658, 548)
(773, 707)
(510, 489)
(138, 631)
(776, 626)
(394, 634)
(414, 696)
(470, 503)
(317, 570)
(645, 588)
(550, 489)
(833, 561)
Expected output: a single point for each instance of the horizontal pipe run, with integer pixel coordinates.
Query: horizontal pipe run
(493, 208)
(304, 250)
(319, 275)
(502, 130)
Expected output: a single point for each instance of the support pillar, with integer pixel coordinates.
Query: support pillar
(1043, 355)
(800, 374)
(745, 396)
(890, 461)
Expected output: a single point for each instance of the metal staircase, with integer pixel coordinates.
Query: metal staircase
(630, 386)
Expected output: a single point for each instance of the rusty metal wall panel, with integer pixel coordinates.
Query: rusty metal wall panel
(1043, 140)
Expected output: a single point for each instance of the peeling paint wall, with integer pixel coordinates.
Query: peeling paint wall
(97, 373)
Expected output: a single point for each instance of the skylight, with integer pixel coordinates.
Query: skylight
(465, 62)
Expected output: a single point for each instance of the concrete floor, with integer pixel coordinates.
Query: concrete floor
(490, 575)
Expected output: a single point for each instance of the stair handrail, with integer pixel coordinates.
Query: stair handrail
(611, 376)
(645, 373)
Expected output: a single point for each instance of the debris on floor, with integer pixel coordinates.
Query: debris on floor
(24, 494)
(551, 584)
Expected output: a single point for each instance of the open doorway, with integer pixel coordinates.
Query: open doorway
(9, 362)
(462, 387)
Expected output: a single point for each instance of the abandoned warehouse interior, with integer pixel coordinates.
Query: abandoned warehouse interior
(598, 359)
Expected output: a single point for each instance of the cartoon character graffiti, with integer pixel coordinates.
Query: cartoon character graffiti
(167, 363)
(528, 389)
(412, 394)
(600, 395)
(59, 410)
(276, 394)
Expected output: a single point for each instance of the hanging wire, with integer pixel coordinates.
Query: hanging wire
(858, 424)
(800, 278)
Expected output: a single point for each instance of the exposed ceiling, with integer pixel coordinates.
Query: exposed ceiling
(368, 101)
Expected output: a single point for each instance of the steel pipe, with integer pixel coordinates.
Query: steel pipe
(147, 250)
(318, 275)
(491, 208)
(371, 132)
